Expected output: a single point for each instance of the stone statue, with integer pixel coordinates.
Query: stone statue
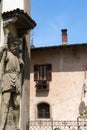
(12, 66)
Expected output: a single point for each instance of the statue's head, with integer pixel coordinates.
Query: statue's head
(13, 44)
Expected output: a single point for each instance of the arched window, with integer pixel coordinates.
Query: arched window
(43, 110)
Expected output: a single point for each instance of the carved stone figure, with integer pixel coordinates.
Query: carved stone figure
(12, 66)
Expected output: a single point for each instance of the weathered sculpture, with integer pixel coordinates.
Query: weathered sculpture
(17, 23)
(12, 66)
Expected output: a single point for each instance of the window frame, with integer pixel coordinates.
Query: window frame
(44, 114)
(42, 72)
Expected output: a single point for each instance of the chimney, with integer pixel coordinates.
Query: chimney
(64, 36)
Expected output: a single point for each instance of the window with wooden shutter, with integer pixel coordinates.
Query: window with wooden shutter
(42, 72)
(49, 73)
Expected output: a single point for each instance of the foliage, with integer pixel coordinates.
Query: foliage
(57, 129)
(84, 113)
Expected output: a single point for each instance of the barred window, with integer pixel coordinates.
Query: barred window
(43, 110)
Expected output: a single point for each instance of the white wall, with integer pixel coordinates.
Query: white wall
(8, 5)
(65, 94)
(12, 4)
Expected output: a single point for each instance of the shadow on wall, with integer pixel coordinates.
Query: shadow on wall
(42, 93)
(69, 58)
(25, 88)
(81, 107)
(26, 59)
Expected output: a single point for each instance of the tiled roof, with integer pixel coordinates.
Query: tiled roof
(19, 20)
(17, 12)
(60, 46)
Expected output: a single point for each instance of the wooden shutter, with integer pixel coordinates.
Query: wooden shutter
(49, 72)
(36, 72)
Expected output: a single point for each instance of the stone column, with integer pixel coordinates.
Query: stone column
(26, 85)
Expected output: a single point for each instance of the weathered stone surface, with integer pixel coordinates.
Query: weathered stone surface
(12, 66)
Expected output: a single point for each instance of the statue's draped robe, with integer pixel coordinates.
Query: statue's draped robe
(10, 88)
(11, 73)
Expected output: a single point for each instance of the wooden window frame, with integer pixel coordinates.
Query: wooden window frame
(43, 72)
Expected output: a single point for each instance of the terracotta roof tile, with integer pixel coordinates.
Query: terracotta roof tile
(17, 12)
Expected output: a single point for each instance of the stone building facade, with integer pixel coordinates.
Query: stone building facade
(58, 82)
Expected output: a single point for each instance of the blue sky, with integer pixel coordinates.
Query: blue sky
(53, 15)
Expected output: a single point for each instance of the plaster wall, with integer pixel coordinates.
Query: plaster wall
(65, 94)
